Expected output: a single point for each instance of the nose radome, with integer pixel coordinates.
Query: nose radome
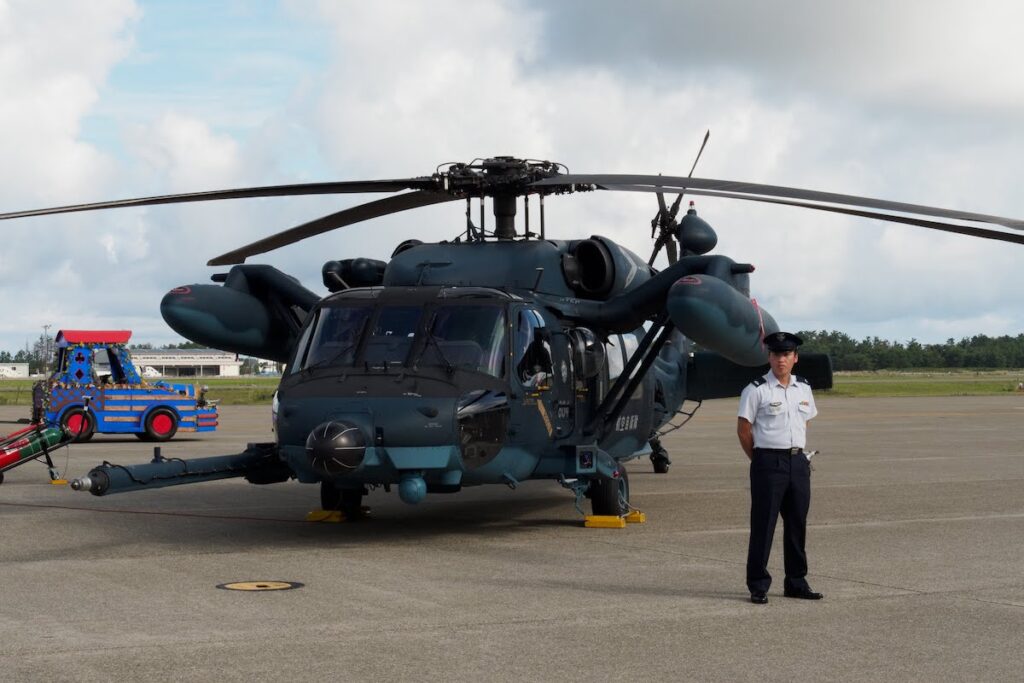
(335, 447)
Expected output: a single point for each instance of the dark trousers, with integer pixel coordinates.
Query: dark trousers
(779, 483)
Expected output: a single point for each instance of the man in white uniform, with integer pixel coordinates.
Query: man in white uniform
(772, 429)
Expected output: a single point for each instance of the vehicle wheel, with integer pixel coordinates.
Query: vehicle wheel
(607, 495)
(161, 425)
(349, 501)
(80, 424)
(1, 477)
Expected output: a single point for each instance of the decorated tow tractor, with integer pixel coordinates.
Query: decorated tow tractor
(95, 387)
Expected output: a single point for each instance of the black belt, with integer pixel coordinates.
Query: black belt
(780, 451)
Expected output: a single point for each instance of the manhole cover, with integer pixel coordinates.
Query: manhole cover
(260, 585)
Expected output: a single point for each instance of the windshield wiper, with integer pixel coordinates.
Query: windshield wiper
(432, 338)
(348, 347)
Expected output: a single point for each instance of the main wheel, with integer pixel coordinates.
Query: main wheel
(610, 496)
(161, 425)
(80, 424)
(1, 477)
(349, 501)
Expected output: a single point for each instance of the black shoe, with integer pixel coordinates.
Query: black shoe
(759, 598)
(803, 594)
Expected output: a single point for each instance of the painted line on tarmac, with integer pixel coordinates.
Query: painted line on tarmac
(959, 592)
(853, 457)
(155, 513)
(744, 487)
(867, 523)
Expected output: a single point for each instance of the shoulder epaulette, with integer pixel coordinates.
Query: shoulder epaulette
(758, 382)
(801, 379)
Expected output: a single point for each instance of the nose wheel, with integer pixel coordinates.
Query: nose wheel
(348, 500)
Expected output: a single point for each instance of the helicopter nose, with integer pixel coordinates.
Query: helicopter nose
(335, 448)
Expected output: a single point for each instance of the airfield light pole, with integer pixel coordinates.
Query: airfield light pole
(46, 349)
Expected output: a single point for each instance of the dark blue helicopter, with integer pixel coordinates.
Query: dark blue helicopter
(499, 356)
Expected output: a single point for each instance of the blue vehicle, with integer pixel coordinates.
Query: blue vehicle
(97, 388)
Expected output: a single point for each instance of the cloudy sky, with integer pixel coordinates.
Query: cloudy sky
(917, 101)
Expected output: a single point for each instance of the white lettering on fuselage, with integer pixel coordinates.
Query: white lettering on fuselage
(627, 422)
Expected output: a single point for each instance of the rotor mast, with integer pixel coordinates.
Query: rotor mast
(504, 179)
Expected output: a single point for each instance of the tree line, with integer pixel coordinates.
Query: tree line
(40, 353)
(872, 353)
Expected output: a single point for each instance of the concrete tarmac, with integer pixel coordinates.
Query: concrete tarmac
(916, 538)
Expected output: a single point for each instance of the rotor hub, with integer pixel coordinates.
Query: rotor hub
(496, 176)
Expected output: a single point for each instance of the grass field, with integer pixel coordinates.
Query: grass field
(931, 383)
(229, 390)
(254, 390)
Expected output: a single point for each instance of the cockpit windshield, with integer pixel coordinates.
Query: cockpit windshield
(463, 336)
(393, 332)
(467, 337)
(335, 336)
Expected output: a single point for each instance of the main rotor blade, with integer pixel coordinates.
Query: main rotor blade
(653, 183)
(355, 214)
(239, 193)
(907, 220)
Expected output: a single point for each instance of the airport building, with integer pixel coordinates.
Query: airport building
(14, 371)
(186, 363)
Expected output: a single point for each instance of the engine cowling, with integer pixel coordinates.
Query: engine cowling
(598, 268)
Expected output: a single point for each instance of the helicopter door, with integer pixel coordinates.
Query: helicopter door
(544, 370)
(563, 386)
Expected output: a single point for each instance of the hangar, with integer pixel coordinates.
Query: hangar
(186, 363)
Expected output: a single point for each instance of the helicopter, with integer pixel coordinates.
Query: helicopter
(499, 356)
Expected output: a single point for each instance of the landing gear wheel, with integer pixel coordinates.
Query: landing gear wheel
(660, 461)
(1, 477)
(79, 424)
(349, 501)
(161, 425)
(659, 457)
(610, 496)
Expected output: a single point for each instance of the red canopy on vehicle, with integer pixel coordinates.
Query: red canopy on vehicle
(94, 336)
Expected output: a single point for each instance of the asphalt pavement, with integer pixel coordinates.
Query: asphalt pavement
(916, 537)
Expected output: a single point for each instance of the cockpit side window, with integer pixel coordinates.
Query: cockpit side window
(533, 351)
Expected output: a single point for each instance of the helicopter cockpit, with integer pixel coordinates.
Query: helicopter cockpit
(451, 330)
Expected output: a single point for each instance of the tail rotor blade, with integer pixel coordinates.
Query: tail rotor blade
(672, 250)
(657, 248)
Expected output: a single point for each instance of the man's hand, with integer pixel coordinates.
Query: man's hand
(745, 432)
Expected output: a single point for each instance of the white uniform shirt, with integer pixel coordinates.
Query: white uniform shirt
(779, 414)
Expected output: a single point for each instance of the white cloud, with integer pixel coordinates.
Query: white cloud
(889, 101)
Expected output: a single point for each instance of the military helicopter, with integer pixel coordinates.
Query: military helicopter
(498, 356)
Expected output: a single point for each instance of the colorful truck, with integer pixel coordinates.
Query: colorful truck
(97, 388)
